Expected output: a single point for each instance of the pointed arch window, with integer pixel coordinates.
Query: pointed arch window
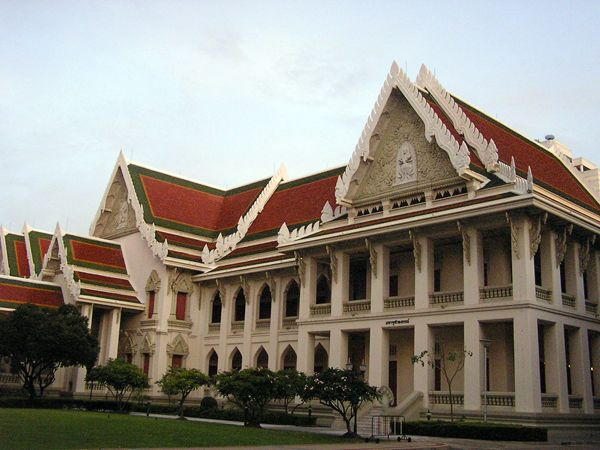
(215, 315)
(236, 361)
(213, 364)
(289, 359)
(264, 304)
(240, 306)
(323, 290)
(262, 360)
(181, 305)
(321, 359)
(151, 300)
(292, 300)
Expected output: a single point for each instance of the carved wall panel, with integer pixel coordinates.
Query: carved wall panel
(117, 217)
(404, 158)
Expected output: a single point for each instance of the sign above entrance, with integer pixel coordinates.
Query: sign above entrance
(395, 322)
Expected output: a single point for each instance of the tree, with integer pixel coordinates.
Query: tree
(449, 364)
(289, 384)
(120, 378)
(179, 381)
(344, 391)
(249, 389)
(39, 341)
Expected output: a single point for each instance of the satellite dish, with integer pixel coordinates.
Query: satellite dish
(549, 137)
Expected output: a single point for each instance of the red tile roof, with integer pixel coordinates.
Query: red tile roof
(191, 207)
(16, 291)
(39, 243)
(296, 202)
(109, 295)
(94, 253)
(16, 251)
(545, 166)
(102, 280)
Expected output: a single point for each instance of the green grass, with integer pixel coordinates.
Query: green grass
(48, 429)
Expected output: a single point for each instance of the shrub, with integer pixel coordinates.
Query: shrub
(476, 430)
(208, 403)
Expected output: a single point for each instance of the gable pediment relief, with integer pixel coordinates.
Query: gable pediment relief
(403, 160)
(117, 217)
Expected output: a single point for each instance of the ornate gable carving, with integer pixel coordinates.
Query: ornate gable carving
(117, 217)
(403, 160)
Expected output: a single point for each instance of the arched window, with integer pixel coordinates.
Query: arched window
(289, 359)
(236, 361)
(292, 300)
(321, 359)
(215, 316)
(213, 364)
(262, 360)
(264, 304)
(240, 306)
(323, 290)
(181, 305)
(151, 300)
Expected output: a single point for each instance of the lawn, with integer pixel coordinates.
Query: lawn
(47, 429)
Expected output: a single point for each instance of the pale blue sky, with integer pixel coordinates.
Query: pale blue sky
(224, 92)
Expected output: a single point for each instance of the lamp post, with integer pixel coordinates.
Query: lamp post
(485, 343)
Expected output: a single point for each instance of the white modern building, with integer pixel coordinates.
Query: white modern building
(446, 231)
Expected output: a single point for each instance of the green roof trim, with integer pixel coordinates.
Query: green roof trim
(34, 239)
(13, 262)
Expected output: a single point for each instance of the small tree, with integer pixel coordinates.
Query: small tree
(449, 364)
(344, 391)
(179, 381)
(289, 384)
(39, 341)
(120, 378)
(249, 389)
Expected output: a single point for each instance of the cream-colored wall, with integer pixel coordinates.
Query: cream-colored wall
(406, 273)
(404, 342)
(451, 340)
(496, 253)
(501, 356)
(451, 275)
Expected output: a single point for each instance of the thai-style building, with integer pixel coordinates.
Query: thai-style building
(446, 231)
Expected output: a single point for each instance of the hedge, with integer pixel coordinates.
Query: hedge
(211, 412)
(476, 430)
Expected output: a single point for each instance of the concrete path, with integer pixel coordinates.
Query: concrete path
(417, 442)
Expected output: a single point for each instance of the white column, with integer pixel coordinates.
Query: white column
(527, 373)
(556, 365)
(580, 369)
(226, 315)
(573, 275)
(306, 352)
(379, 355)
(523, 271)
(112, 341)
(550, 270)
(249, 321)
(276, 309)
(205, 297)
(472, 265)
(338, 348)
(421, 374)
(340, 284)
(87, 310)
(380, 278)
(474, 364)
(308, 288)
(423, 272)
(593, 277)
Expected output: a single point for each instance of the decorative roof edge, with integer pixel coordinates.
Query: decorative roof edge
(328, 213)
(486, 150)
(284, 235)
(4, 269)
(434, 127)
(73, 286)
(147, 231)
(225, 245)
(26, 230)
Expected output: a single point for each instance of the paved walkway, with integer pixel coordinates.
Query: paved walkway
(417, 442)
